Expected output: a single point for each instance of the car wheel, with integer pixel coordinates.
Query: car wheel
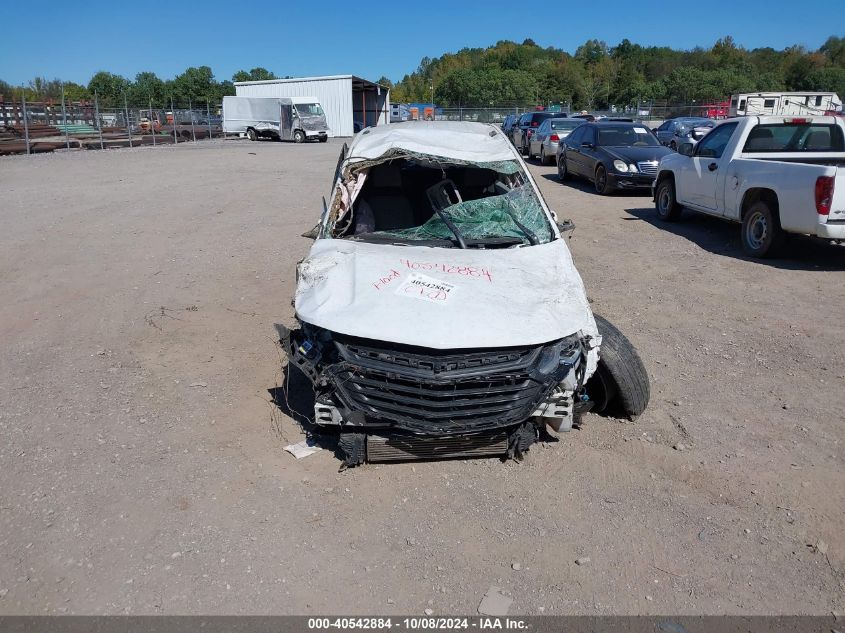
(562, 171)
(251, 135)
(299, 136)
(601, 181)
(323, 139)
(621, 380)
(761, 232)
(544, 160)
(665, 202)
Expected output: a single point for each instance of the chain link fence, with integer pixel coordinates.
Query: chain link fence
(27, 127)
(35, 127)
(650, 113)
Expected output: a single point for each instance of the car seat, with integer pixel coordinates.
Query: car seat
(385, 200)
(761, 139)
(818, 140)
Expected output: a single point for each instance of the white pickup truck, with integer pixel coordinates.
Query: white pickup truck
(773, 174)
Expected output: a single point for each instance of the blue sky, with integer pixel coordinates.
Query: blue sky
(369, 39)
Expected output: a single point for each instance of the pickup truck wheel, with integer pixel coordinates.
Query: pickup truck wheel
(298, 137)
(601, 181)
(251, 135)
(761, 232)
(562, 171)
(666, 204)
(621, 380)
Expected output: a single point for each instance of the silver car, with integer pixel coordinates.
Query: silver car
(672, 133)
(545, 140)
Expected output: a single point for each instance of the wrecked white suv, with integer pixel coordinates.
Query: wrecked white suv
(440, 314)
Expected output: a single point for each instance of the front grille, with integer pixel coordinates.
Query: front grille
(648, 167)
(438, 391)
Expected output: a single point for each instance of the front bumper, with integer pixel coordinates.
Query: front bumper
(316, 134)
(630, 181)
(364, 385)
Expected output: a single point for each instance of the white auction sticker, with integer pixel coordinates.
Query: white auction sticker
(640, 130)
(426, 288)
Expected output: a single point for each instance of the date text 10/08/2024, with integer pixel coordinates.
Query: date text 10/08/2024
(418, 623)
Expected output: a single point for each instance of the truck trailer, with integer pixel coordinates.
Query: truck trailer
(784, 103)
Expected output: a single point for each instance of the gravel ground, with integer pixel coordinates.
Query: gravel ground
(141, 461)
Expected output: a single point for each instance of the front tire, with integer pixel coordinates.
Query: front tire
(761, 232)
(621, 379)
(562, 171)
(665, 202)
(602, 187)
(251, 135)
(299, 136)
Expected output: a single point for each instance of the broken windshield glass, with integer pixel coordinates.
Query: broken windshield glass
(515, 214)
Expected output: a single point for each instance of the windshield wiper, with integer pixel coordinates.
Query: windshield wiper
(447, 220)
(528, 233)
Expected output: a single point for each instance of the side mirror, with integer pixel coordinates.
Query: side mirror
(685, 149)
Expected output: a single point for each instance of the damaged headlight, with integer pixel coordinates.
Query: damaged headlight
(564, 352)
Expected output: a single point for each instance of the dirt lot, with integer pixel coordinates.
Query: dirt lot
(141, 461)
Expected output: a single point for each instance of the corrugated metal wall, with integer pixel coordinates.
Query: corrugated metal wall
(335, 95)
(377, 107)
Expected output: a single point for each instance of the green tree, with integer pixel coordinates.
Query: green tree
(830, 79)
(196, 84)
(834, 50)
(108, 88)
(254, 74)
(147, 87)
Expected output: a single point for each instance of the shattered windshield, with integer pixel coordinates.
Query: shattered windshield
(516, 214)
(431, 203)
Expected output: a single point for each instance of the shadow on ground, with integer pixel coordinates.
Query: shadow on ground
(294, 398)
(722, 238)
(587, 187)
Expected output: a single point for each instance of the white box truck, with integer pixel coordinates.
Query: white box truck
(296, 119)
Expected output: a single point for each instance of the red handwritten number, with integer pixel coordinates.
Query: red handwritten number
(470, 271)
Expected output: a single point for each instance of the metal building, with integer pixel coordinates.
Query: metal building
(350, 103)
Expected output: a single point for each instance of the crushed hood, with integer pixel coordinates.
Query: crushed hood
(443, 298)
(458, 140)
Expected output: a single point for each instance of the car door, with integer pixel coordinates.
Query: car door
(698, 181)
(518, 130)
(587, 155)
(573, 150)
(565, 151)
(539, 136)
(663, 132)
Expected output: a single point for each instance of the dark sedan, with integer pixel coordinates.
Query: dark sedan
(613, 155)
